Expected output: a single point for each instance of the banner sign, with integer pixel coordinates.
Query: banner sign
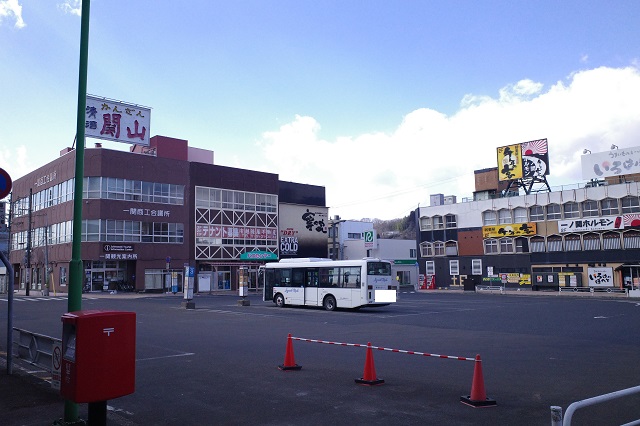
(605, 223)
(116, 121)
(512, 230)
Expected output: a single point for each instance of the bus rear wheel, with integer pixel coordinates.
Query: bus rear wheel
(329, 303)
(279, 300)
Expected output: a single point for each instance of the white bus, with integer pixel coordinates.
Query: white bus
(329, 283)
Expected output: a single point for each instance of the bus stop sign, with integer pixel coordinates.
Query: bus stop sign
(5, 183)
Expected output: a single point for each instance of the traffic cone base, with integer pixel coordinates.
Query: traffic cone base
(289, 360)
(369, 375)
(478, 397)
(486, 403)
(290, 367)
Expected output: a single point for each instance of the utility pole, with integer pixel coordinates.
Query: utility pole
(27, 285)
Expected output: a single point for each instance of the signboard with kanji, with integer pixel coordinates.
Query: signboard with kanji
(117, 121)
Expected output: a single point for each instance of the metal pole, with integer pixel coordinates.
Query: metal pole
(9, 313)
(27, 285)
(556, 415)
(76, 272)
(45, 292)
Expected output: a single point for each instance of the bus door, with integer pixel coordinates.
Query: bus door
(311, 287)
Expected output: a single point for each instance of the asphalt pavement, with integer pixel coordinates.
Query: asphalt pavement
(26, 397)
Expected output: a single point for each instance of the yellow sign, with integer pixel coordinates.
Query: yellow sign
(525, 279)
(511, 230)
(509, 162)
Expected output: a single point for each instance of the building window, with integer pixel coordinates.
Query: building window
(571, 210)
(520, 215)
(631, 239)
(591, 241)
(437, 222)
(610, 207)
(554, 243)
(413, 253)
(590, 208)
(476, 266)
(630, 204)
(430, 267)
(553, 212)
(572, 242)
(425, 224)
(537, 245)
(536, 213)
(506, 245)
(438, 248)
(491, 246)
(504, 216)
(426, 249)
(522, 245)
(454, 267)
(354, 235)
(451, 248)
(611, 241)
(450, 221)
(489, 218)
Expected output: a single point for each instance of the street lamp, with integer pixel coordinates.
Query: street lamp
(333, 224)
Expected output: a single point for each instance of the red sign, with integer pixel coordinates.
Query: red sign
(5, 183)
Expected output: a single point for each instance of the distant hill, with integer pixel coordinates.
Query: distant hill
(404, 228)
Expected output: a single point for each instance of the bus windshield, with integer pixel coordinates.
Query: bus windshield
(379, 268)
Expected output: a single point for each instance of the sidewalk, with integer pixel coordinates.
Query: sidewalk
(26, 399)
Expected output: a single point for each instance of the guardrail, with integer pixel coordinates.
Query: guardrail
(556, 412)
(36, 349)
(594, 290)
(490, 288)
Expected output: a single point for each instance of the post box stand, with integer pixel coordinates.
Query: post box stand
(98, 359)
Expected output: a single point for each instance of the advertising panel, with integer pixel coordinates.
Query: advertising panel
(525, 160)
(511, 230)
(303, 231)
(605, 223)
(600, 277)
(117, 121)
(615, 162)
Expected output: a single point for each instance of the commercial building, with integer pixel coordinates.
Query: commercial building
(586, 235)
(155, 213)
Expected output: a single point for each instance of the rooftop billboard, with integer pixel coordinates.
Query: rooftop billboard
(524, 160)
(117, 121)
(611, 163)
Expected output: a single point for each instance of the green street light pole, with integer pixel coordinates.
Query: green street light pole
(76, 272)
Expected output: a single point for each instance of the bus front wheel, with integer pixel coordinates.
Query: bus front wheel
(329, 303)
(279, 300)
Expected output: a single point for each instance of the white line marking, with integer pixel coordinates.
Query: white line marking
(166, 356)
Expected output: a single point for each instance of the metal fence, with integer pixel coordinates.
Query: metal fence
(556, 412)
(37, 349)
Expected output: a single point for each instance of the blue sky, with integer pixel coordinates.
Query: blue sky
(383, 103)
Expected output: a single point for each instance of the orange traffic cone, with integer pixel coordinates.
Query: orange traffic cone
(478, 397)
(369, 375)
(289, 361)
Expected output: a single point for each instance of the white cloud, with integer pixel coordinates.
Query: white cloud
(387, 175)
(73, 7)
(11, 9)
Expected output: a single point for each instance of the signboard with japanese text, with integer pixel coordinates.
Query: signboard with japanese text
(524, 160)
(605, 223)
(303, 230)
(117, 121)
(370, 239)
(600, 277)
(615, 162)
(511, 230)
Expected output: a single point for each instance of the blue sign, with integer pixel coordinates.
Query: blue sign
(5, 183)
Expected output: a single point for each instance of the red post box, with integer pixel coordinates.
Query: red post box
(98, 355)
